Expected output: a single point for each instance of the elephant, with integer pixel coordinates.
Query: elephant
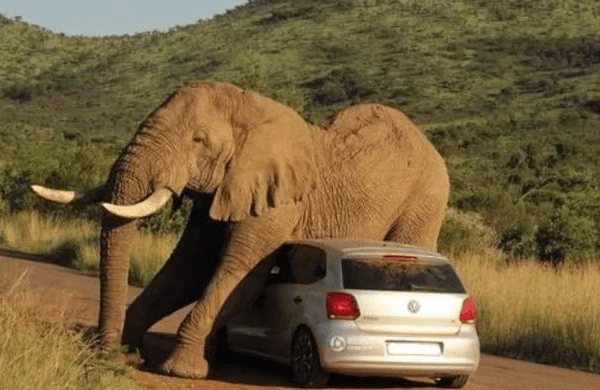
(259, 175)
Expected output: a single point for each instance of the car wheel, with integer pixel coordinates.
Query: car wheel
(306, 369)
(453, 382)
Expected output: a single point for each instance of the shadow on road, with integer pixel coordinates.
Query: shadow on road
(14, 254)
(58, 258)
(244, 370)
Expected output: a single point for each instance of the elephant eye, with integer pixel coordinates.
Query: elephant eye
(199, 138)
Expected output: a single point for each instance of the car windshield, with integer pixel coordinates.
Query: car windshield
(398, 275)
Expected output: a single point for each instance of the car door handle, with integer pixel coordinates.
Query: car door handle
(297, 299)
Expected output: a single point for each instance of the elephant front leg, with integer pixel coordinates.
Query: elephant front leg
(248, 244)
(188, 359)
(181, 281)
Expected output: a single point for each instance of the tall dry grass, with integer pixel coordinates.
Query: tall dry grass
(537, 312)
(148, 255)
(41, 354)
(75, 243)
(32, 232)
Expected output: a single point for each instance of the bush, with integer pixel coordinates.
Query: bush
(340, 85)
(172, 218)
(573, 229)
(274, 76)
(465, 233)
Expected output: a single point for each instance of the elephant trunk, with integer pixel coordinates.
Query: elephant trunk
(116, 241)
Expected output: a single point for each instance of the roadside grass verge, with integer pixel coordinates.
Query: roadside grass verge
(536, 312)
(75, 243)
(528, 310)
(38, 354)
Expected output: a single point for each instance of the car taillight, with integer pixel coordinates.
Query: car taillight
(342, 306)
(468, 313)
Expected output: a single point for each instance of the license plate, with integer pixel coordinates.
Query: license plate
(414, 349)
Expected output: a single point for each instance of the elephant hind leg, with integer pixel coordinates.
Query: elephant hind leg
(419, 225)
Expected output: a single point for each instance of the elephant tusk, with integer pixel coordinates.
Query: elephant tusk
(62, 196)
(147, 207)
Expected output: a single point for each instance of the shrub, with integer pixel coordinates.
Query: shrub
(340, 85)
(573, 228)
(274, 76)
(465, 233)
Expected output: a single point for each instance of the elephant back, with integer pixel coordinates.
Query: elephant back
(368, 136)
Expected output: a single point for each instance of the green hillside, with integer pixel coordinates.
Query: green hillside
(508, 90)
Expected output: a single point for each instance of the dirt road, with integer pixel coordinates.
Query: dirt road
(55, 285)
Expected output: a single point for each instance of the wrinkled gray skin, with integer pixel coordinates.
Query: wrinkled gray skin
(259, 175)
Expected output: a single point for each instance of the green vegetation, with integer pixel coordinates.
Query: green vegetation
(509, 92)
(36, 354)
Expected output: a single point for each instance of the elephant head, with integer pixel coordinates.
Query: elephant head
(247, 151)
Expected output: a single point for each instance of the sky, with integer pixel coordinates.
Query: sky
(113, 17)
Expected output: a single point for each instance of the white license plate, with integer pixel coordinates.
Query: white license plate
(414, 349)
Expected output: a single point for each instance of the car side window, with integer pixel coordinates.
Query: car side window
(298, 263)
(280, 271)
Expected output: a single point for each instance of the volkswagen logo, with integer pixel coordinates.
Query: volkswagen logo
(413, 306)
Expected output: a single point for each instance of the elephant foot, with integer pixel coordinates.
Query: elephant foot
(132, 338)
(132, 358)
(186, 364)
(132, 355)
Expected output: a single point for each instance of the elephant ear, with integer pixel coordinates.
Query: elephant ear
(274, 164)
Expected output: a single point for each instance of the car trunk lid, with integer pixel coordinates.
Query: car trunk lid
(408, 313)
(405, 295)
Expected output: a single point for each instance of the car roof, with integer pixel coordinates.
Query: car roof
(358, 247)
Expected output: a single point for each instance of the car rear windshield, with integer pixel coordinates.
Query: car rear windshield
(399, 275)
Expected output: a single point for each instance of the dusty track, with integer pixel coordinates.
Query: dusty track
(55, 285)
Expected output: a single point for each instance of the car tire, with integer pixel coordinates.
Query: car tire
(306, 368)
(452, 382)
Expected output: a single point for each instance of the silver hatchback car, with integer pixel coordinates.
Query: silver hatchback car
(360, 308)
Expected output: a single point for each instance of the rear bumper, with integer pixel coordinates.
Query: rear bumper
(345, 349)
(395, 370)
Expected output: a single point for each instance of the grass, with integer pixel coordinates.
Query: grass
(537, 312)
(75, 243)
(148, 255)
(507, 90)
(47, 355)
(64, 241)
(528, 310)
